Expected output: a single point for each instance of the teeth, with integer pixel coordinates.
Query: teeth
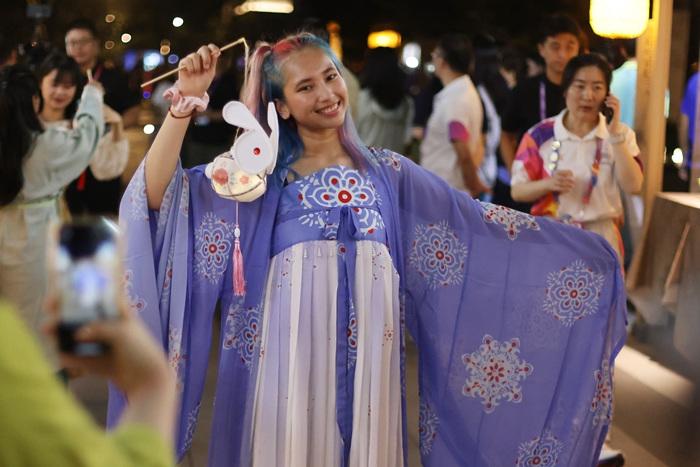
(329, 109)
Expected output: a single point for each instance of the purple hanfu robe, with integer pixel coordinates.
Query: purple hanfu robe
(517, 320)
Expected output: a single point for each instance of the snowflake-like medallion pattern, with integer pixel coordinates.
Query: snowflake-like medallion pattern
(438, 255)
(513, 221)
(242, 333)
(213, 241)
(336, 187)
(352, 337)
(495, 372)
(602, 403)
(573, 292)
(542, 451)
(427, 427)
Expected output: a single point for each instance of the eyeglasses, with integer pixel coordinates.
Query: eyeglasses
(78, 42)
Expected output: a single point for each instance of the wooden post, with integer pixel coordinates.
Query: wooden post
(653, 52)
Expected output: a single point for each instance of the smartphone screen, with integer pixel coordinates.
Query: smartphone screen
(86, 278)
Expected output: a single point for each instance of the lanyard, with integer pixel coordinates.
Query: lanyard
(543, 101)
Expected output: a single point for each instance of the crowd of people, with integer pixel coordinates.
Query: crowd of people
(480, 252)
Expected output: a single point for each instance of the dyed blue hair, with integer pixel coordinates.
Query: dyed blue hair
(265, 84)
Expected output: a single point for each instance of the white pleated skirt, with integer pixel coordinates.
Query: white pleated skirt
(294, 423)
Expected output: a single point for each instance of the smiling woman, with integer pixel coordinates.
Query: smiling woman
(349, 249)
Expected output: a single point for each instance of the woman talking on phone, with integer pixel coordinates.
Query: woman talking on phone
(574, 165)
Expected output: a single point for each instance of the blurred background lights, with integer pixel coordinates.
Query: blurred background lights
(386, 38)
(173, 59)
(677, 157)
(149, 129)
(410, 55)
(110, 18)
(109, 45)
(126, 37)
(151, 60)
(146, 94)
(177, 21)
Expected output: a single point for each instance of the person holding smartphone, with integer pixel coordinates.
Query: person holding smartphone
(573, 166)
(42, 424)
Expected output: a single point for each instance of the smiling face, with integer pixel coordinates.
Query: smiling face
(586, 93)
(315, 95)
(57, 95)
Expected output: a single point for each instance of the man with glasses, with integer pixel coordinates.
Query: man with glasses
(453, 146)
(87, 195)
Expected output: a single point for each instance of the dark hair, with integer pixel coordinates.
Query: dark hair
(67, 71)
(83, 23)
(384, 77)
(582, 61)
(19, 124)
(560, 23)
(457, 52)
(6, 48)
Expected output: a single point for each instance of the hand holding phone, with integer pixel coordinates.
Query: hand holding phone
(85, 265)
(610, 107)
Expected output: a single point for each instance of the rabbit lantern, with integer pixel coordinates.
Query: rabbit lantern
(241, 173)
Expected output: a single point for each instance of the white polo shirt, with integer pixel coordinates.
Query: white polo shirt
(576, 154)
(458, 102)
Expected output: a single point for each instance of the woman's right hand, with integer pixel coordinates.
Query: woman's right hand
(562, 181)
(197, 70)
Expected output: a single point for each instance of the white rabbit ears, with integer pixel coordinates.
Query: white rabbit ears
(237, 114)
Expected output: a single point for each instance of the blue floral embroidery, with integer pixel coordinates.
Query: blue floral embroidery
(495, 372)
(337, 187)
(512, 221)
(573, 292)
(602, 402)
(427, 427)
(539, 452)
(213, 240)
(438, 255)
(243, 327)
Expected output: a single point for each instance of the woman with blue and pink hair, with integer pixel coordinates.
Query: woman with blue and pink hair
(517, 319)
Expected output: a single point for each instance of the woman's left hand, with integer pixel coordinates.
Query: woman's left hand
(613, 102)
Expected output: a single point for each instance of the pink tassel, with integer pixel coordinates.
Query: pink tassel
(238, 275)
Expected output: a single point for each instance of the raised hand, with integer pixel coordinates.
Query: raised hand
(197, 70)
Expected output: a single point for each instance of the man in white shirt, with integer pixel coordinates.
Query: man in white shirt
(453, 145)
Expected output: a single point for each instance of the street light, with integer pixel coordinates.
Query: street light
(385, 38)
(619, 19)
(264, 6)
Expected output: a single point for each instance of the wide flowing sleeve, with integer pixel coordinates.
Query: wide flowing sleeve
(517, 319)
(157, 279)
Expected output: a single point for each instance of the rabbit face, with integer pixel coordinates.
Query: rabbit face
(314, 91)
(229, 181)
